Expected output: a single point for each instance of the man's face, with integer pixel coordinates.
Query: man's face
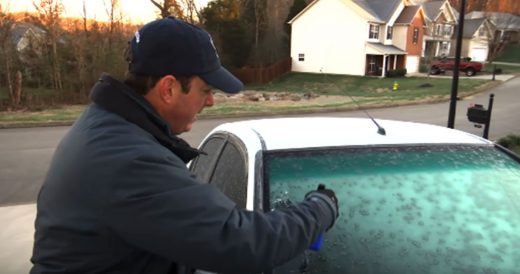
(179, 109)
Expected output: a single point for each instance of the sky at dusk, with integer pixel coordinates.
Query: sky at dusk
(135, 11)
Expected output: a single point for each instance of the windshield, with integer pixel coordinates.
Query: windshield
(436, 209)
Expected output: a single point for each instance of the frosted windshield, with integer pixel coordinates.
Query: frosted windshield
(442, 210)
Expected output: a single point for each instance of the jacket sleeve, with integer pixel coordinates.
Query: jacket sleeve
(160, 207)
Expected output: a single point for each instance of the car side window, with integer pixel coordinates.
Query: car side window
(204, 165)
(230, 174)
(224, 166)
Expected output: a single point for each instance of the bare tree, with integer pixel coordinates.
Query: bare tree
(50, 15)
(7, 53)
(113, 11)
(80, 49)
(270, 39)
(115, 40)
(183, 9)
(191, 12)
(168, 8)
(500, 37)
(276, 37)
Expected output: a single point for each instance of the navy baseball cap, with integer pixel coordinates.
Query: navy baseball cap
(173, 47)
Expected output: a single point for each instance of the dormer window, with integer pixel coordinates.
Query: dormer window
(389, 32)
(373, 32)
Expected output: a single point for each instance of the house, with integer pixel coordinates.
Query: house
(25, 35)
(409, 31)
(354, 37)
(476, 36)
(507, 26)
(440, 25)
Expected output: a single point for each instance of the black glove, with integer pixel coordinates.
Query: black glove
(330, 198)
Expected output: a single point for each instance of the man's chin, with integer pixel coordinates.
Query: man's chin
(188, 127)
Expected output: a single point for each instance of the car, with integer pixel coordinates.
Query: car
(469, 67)
(414, 198)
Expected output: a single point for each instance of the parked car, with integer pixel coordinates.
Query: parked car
(469, 67)
(414, 198)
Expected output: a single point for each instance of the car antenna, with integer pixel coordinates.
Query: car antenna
(380, 129)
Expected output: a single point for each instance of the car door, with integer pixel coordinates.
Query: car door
(224, 166)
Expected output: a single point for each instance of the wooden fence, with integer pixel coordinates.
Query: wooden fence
(263, 75)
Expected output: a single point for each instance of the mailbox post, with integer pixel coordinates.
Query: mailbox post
(479, 115)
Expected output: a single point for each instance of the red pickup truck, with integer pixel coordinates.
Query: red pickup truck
(466, 65)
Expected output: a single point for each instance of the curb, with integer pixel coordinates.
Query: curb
(30, 125)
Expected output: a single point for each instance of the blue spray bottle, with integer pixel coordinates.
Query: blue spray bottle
(316, 245)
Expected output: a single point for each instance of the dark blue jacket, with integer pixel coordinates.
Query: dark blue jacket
(118, 198)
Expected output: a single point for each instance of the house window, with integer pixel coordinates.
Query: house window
(438, 30)
(447, 30)
(301, 57)
(374, 31)
(415, 36)
(389, 32)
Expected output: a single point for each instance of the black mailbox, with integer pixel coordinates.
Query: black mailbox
(478, 114)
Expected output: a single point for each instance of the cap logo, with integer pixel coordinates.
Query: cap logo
(137, 37)
(214, 48)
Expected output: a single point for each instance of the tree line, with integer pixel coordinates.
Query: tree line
(508, 6)
(46, 58)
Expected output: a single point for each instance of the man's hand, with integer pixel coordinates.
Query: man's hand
(327, 195)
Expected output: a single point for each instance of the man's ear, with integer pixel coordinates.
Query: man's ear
(166, 88)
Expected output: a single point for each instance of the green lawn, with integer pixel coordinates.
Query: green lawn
(511, 54)
(506, 69)
(366, 91)
(65, 114)
(32, 91)
(409, 87)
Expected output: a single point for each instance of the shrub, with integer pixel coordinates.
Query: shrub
(511, 142)
(423, 68)
(396, 72)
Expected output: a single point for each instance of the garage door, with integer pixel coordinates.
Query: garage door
(479, 54)
(412, 64)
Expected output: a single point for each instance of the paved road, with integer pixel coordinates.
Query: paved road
(26, 154)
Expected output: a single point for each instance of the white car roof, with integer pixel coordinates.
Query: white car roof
(287, 133)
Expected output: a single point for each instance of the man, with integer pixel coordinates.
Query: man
(118, 197)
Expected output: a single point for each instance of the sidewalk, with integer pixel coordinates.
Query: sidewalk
(498, 77)
(16, 236)
(507, 64)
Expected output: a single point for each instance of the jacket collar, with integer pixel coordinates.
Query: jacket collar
(120, 99)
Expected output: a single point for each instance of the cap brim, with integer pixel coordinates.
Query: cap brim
(223, 80)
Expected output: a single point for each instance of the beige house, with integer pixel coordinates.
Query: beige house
(476, 37)
(440, 28)
(506, 25)
(349, 37)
